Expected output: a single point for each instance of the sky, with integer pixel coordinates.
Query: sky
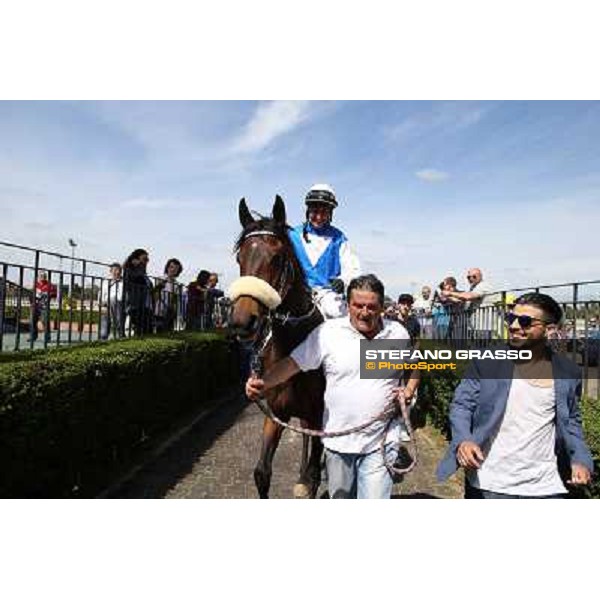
(426, 189)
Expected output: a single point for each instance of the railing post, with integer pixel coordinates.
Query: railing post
(60, 307)
(33, 303)
(46, 311)
(82, 300)
(71, 288)
(19, 306)
(90, 316)
(574, 338)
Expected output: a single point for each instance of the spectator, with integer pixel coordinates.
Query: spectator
(422, 308)
(439, 315)
(407, 319)
(213, 315)
(197, 292)
(447, 311)
(516, 426)
(558, 340)
(478, 297)
(390, 310)
(502, 309)
(111, 304)
(40, 309)
(138, 292)
(167, 295)
(424, 302)
(213, 279)
(355, 466)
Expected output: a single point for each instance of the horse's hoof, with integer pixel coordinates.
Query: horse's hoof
(301, 491)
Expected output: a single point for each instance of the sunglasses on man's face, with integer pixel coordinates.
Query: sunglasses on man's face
(525, 321)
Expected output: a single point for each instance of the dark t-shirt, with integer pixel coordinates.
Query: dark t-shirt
(413, 327)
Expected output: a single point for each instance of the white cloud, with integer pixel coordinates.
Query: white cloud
(441, 118)
(431, 175)
(404, 130)
(270, 121)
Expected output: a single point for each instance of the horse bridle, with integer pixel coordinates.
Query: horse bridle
(265, 332)
(282, 288)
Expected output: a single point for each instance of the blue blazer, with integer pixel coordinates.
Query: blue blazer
(480, 401)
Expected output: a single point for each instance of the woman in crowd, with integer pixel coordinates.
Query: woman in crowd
(447, 311)
(167, 296)
(138, 292)
(197, 293)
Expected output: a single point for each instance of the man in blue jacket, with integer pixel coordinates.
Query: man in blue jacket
(515, 425)
(324, 253)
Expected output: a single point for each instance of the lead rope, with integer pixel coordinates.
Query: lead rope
(388, 414)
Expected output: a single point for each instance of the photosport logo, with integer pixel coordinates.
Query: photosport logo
(380, 359)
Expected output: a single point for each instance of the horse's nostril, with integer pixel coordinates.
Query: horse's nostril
(249, 329)
(253, 324)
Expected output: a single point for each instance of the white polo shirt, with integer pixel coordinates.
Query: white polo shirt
(349, 400)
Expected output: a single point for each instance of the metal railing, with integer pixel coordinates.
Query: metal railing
(43, 305)
(480, 323)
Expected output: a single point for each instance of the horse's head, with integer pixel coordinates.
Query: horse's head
(267, 270)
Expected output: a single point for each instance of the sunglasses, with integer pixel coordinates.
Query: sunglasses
(525, 321)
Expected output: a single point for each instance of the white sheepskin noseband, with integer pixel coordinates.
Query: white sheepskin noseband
(256, 288)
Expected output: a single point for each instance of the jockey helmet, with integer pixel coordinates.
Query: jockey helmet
(321, 193)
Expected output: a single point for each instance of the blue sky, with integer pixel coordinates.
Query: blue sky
(427, 189)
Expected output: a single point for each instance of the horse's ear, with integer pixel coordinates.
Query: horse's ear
(279, 210)
(245, 217)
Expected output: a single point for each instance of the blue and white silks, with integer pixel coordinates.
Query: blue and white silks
(328, 266)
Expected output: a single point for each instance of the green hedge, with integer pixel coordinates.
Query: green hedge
(435, 395)
(590, 413)
(69, 418)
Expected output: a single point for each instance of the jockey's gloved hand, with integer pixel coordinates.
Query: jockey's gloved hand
(337, 285)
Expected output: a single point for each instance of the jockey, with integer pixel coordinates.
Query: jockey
(323, 251)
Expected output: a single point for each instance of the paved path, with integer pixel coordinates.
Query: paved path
(216, 457)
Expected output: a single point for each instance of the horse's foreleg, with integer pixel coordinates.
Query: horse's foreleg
(262, 472)
(314, 465)
(310, 469)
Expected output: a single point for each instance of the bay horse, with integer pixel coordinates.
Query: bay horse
(273, 310)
